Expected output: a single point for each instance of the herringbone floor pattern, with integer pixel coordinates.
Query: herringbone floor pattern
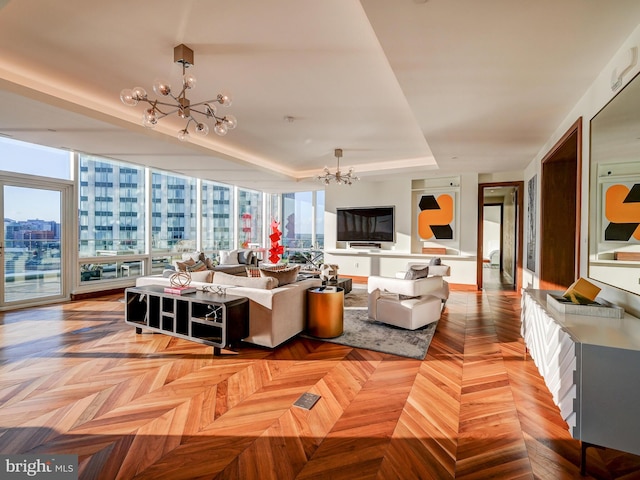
(75, 379)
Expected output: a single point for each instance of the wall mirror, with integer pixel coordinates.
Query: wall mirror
(614, 196)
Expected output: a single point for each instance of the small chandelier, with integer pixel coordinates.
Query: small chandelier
(181, 104)
(338, 177)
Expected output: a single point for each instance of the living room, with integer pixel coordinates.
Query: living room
(58, 93)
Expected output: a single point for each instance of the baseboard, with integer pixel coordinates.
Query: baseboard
(97, 293)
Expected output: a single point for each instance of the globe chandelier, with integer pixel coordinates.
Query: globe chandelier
(338, 177)
(181, 105)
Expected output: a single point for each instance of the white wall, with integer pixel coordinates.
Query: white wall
(395, 256)
(596, 97)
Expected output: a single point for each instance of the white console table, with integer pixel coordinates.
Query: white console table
(591, 365)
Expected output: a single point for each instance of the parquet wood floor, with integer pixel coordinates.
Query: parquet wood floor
(75, 379)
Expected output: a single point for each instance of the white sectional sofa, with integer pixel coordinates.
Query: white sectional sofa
(275, 314)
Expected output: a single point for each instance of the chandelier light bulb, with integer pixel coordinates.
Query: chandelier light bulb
(230, 121)
(128, 98)
(220, 129)
(189, 81)
(202, 129)
(183, 135)
(150, 118)
(161, 87)
(139, 93)
(224, 99)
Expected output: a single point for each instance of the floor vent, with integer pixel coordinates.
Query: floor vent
(307, 400)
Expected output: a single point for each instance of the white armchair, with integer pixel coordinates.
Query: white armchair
(409, 304)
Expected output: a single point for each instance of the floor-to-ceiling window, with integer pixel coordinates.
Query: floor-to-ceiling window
(217, 216)
(131, 220)
(250, 225)
(111, 219)
(297, 220)
(35, 191)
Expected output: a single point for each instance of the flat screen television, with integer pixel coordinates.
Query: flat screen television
(365, 224)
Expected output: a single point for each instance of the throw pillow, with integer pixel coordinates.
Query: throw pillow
(435, 261)
(229, 257)
(245, 257)
(284, 276)
(209, 263)
(196, 267)
(182, 266)
(417, 271)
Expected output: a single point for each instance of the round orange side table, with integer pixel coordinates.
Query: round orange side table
(325, 309)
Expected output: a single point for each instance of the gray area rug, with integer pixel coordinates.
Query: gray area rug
(361, 332)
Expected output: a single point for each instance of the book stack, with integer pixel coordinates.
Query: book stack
(179, 290)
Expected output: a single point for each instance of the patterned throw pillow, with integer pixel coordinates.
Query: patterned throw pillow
(196, 267)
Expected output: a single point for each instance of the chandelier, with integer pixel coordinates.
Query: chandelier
(181, 105)
(338, 177)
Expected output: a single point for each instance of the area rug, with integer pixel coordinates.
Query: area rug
(361, 332)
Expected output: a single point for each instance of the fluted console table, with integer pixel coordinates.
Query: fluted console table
(591, 365)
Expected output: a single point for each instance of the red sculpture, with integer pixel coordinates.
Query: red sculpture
(276, 250)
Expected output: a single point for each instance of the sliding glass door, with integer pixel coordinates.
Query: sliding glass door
(32, 267)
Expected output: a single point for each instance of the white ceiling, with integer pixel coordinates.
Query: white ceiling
(409, 87)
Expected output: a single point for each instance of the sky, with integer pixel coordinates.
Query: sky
(28, 203)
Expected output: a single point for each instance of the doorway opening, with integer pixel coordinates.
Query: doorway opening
(500, 235)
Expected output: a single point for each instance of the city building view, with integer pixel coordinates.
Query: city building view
(130, 220)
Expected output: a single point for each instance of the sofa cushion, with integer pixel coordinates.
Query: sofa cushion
(284, 276)
(204, 276)
(229, 257)
(262, 283)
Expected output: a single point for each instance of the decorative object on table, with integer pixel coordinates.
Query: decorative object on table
(181, 105)
(179, 284)
(594, 309)
(218, 289)
(580, 299)
(581, 292)
(276, 250)
(338, 177)
(180, 279)
(328, 272)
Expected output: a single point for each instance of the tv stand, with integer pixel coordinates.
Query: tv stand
(365, 245)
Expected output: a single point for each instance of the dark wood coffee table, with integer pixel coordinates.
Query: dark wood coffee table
(343, 282)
